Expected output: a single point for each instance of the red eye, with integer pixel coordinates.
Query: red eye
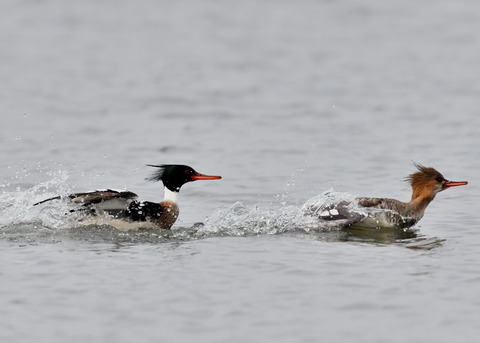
(187, 172)
(439, 179)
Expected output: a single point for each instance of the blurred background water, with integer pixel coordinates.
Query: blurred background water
(285, 100)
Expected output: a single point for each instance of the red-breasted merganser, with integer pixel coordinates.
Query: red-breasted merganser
(123, 211)
(387, 213)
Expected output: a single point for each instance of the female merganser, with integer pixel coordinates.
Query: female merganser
(124, 212)
(382, 212)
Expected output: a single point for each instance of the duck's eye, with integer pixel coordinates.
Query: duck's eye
(187, 171)
(439, 179)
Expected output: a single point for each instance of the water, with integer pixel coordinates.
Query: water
(285, 100)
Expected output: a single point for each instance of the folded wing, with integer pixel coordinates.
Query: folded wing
(105, 197)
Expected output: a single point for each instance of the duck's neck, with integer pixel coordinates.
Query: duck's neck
(420, 200)
(170, 196)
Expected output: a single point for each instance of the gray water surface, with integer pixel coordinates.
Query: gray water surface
(286, 100)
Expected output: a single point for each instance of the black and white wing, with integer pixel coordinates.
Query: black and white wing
(341, 215)
(102, 196)
(107, 199)
(334, 216)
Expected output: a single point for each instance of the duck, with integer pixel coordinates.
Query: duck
(367, 212)
(122, 210)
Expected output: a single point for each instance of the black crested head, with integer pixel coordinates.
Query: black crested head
(174, 176)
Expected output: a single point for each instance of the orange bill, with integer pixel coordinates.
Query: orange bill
(199, 176)
(455, 183)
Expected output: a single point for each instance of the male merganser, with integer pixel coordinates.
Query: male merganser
(387, 213)
(124, 212)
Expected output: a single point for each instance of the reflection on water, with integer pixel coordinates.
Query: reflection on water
(423, 243)
(108, 234)
(384, 235)
(408, 238)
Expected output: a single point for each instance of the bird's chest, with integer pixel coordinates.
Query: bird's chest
(168, 216)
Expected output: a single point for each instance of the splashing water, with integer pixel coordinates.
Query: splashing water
(241, 220)
(17, 206)
(314, 206)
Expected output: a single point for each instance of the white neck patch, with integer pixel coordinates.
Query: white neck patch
(170, 196)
